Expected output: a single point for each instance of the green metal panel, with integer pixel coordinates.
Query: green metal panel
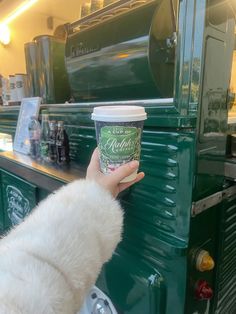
(19, 198)
(167, 160)
(121, 58)
(42, 194)
(8, 120)
(214, 230)
(133, 285)
(225, 297)
(189, 56)
(157, 214)
(204, 235)
(212, 121)
(182, 137)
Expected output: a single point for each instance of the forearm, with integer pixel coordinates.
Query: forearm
(76, 229)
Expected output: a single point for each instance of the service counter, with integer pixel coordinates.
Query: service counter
(25, 182)
(45, 176)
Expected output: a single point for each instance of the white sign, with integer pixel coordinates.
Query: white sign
(29, 107)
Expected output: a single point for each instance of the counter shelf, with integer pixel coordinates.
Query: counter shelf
(43, 175)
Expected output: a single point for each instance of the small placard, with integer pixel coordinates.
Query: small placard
(29, 107)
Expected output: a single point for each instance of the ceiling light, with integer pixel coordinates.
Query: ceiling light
(5, 35)
(19, 10)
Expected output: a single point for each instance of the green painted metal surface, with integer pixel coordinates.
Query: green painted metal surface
(212, 122)
(157, 214)
(8, 120)
(148, 272)
(18, 198)
(121, 58)
(225, 298)
(204, 235)
(183, 152)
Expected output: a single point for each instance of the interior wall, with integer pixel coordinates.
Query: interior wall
(12, 58)
(30, 24)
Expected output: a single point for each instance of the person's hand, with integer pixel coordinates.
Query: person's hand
(111, 182)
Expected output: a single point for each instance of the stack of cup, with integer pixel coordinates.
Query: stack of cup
(13, 94)
(118, 131)
(21, 85)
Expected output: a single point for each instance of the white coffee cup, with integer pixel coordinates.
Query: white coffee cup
(118, 132)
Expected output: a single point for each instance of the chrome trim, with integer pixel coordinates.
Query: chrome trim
(139, 102)
(142, 102)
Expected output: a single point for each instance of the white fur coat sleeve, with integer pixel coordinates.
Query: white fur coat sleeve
(49, 262)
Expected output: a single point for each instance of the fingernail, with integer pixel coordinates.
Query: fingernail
(134, 164)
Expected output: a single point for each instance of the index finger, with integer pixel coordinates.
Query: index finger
(94, 164)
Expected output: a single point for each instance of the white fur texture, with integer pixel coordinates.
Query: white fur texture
(49, 262)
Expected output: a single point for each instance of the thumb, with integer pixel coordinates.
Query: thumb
(124, 171)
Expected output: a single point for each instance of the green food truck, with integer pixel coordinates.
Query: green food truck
(176, 58)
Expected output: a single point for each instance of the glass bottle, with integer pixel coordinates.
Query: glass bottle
(62, 144)
(34, 137)
(45, 137)
(52, 141)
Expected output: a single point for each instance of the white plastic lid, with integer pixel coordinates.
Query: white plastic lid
(119, 113)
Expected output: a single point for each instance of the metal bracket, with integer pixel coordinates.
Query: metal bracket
(212, 200)
(205, 203)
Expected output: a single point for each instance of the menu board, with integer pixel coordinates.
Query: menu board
(29, 107)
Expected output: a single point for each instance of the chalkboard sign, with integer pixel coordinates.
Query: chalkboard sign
(29, 107)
